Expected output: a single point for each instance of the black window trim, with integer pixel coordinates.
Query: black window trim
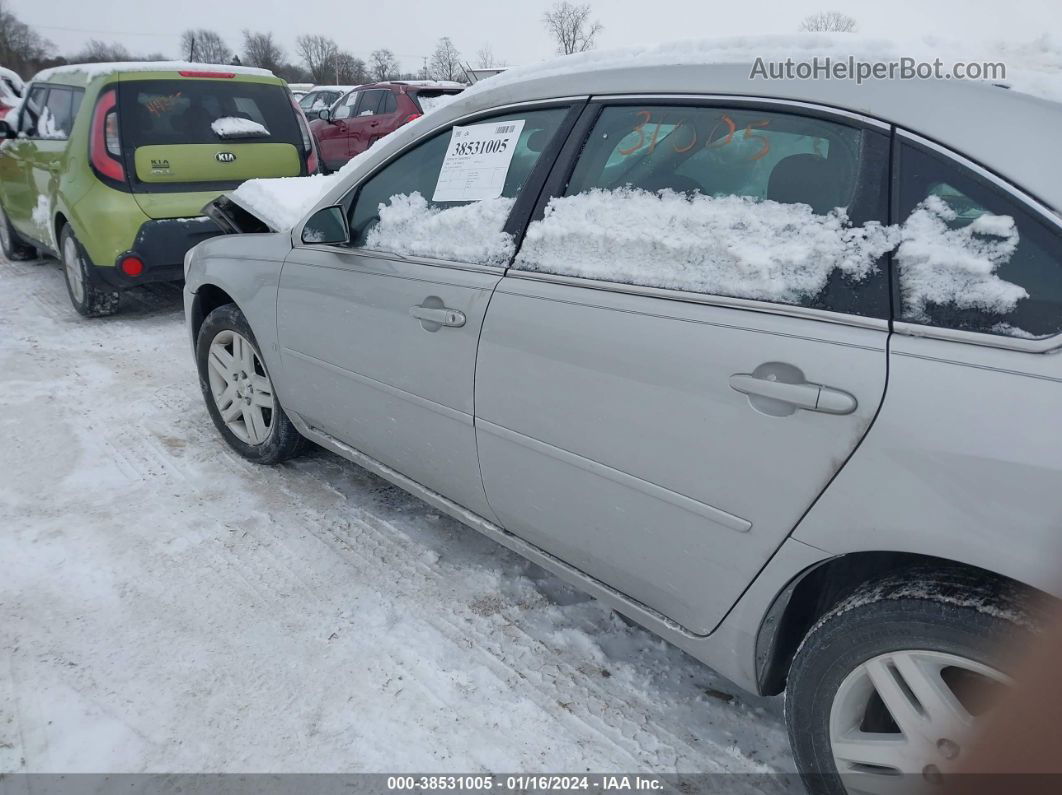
(519, 217)
(564, 166)
(1026, 200)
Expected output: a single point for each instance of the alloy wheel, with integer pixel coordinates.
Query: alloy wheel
(907, 712)
(241, 389)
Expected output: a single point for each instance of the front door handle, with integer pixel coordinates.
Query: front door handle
(434, 317)
(802, 395)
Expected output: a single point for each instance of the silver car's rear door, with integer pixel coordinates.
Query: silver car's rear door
(666, 441)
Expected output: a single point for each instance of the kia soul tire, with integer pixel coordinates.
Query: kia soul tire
(238, 391)
(887, 688)
(88, 293)
(11, 244)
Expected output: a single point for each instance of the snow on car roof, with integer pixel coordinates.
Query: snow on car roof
(1034, 68)
(12, 76)
(431, 83)
(333, 88)
(93, 70)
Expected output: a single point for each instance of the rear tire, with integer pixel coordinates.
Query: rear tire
(11, 244)
(238, 391)
(89, 295)
(862, 695)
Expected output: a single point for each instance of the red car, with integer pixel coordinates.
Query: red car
(11, 88)
(370, 112)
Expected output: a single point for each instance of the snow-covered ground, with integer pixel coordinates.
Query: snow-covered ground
(165, 606)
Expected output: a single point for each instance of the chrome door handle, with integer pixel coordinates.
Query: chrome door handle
(440, 316)
(807, 396)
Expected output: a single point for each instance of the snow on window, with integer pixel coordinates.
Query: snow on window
(730, 245)
(465, 233)
(956, 267)
(429, 104)
(48, 128)
(238, 127)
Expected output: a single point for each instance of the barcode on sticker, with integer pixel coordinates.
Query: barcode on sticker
(505, 129)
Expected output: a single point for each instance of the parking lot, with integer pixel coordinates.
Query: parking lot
(176, 608)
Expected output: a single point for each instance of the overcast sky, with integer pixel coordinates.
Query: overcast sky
(512, 28)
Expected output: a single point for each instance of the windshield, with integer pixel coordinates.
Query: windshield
(173, 112)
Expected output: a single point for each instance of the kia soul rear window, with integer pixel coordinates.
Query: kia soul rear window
(174, 112)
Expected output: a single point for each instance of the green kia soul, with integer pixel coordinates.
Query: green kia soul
(107, 166)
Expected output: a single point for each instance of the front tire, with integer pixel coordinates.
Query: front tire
(11, 244)
(238, 391)
(88, 294)
(895, 679)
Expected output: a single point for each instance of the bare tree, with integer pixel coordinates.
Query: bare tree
(383, 65)
(828, 21)
(349, 70)
(485, 58)
(445, 62)
(21, 47)
(205, 46)
(571, 27)
(259, 49)
(319, 54)
(96, 51)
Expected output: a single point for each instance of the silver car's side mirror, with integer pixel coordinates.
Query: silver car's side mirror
(328, 225)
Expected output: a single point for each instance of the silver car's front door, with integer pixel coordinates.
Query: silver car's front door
(381, 354)
(666, 441)
(378, 338)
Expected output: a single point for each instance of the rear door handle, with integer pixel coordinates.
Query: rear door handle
(807, 396)
(438, 316)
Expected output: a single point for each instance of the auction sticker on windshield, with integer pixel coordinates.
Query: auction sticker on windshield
(477, 161)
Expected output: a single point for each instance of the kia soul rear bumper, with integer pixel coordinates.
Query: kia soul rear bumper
(160, 246)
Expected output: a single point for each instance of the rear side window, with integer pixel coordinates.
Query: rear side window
(727, 201)
(971, 256)
(173, 112)
(60, 109)
(370, 102)
(449, 197)
(428, 99)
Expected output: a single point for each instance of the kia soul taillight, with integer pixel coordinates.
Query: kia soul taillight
(105, 143)
(308, 149)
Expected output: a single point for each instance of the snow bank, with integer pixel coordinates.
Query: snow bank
(956, 267)
(93, 70)
(466, 233)
(732, 245)
(1033, 68)
(238, 127)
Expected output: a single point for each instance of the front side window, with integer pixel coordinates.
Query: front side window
(345, 108)
(726, 201)
(970, 256)
(449, 197)
(31, 112)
